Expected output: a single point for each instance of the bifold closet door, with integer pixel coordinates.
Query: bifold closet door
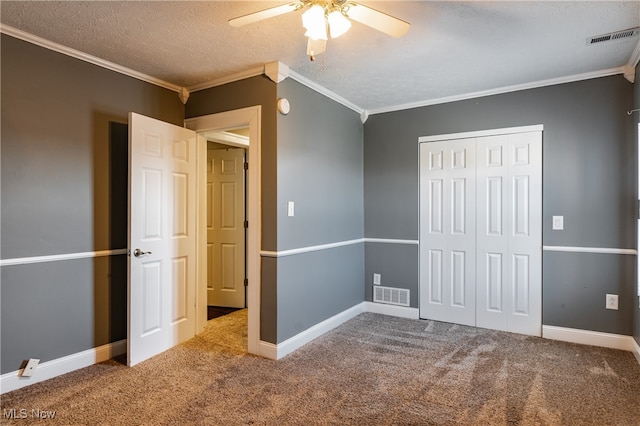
(481, 231)
(509, 232)
(447, 231)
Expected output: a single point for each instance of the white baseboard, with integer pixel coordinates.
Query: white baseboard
(392, 310)
(636, 350)
(50, 369)
(317, 330)
(587, 337)
(267, 350)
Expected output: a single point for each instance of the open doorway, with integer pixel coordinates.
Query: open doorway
(225, 224)
(246, 118)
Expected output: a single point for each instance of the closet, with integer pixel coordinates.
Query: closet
(481, 229)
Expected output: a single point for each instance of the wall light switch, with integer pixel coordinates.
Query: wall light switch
(290, 209)
(558, 223)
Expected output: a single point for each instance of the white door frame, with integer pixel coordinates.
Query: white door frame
(245, 117)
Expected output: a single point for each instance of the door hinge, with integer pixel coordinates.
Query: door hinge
(246, 282)
(246, 224)
(246, 166)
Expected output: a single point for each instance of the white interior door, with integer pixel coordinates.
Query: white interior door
(162, 237)
(225, 227)
(503, 235)
(509, 232)
(447, 231)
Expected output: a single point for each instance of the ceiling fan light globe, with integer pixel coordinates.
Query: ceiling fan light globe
(317, 34)
(313, 20)
(338, 23)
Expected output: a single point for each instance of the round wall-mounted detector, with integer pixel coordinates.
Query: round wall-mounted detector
(283, 106)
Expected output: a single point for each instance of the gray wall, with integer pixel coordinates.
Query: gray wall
(320, 169)
(313, 156)
(589, 175)
(64, 190)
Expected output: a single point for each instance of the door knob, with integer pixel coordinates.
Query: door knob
(137, 252)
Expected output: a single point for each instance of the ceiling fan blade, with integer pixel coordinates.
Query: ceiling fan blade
(264, 14)
(378, 20)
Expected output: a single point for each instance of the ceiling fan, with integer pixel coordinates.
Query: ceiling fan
(331, 15)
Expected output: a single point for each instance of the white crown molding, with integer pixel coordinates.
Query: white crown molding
(242, 75)
(635, 56)
(267, 69)
(501, 90)
(630, 68)
(183, 94)
(276, 71)
(324, 91)
(33, 39)
(629, 73)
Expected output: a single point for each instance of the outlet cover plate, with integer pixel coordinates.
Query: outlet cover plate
(376, 279)
(30, 367)
(612, 301)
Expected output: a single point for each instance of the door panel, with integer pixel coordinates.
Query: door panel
(525, 241)
(447, 232)
(225, 228)
(161, 202)
(509, 229)
(493, 216)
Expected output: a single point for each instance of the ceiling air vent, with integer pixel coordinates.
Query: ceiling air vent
(631, 32)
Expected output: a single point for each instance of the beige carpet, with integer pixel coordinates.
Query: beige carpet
(372, 370)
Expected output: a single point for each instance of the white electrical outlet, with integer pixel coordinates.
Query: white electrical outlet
(376, 279)
(30, 367)
(291, 209)
(612, 301)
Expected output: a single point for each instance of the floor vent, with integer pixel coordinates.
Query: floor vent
(631, 32)
(392, 296)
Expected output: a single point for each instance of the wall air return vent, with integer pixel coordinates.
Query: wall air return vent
(631, 32)
(392, 296)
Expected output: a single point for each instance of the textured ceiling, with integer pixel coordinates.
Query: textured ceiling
(453, 47)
